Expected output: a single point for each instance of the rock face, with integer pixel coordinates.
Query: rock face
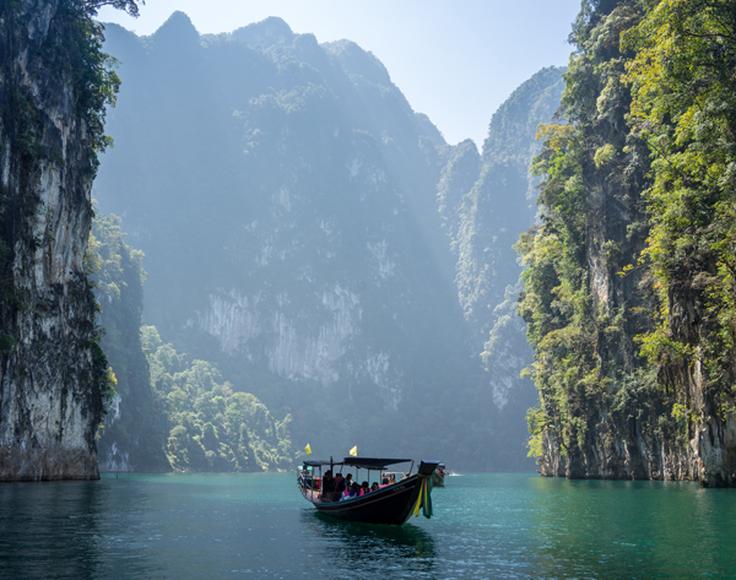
(499, 203)
(168, 412)
(52, 372)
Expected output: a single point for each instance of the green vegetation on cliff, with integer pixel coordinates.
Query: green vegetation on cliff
(213, 427)
(134, 429)
(629, 289)
(684, 106)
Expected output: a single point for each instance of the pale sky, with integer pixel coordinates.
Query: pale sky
(455, 60)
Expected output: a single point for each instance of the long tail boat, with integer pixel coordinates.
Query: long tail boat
(391, 503)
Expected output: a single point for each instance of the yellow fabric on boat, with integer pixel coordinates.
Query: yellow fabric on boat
(424, 499)
(415, 510)
(353, 451)
(308, 449)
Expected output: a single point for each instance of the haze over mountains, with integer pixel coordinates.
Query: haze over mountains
(310, 234)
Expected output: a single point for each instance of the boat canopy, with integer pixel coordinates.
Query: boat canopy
(372, 462)
(360, 462)
(320, 462)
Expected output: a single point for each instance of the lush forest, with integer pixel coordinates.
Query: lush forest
(213, 427)
(629, 287)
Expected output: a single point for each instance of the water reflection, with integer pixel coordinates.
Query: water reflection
(371, 547)
(66, 530)
(626, 528)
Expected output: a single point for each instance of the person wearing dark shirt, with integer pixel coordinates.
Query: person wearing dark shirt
(349, 483)
(328, 485)
(339, 485)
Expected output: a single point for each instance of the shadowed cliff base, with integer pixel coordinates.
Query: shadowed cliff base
(48, 464)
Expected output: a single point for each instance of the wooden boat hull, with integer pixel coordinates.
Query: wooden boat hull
(389, 505)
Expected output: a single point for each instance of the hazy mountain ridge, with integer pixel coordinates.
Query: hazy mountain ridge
(305, 226)
(486, 202)
(285, 195)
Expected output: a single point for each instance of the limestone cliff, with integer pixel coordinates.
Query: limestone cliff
(629, 293)
(52, 371)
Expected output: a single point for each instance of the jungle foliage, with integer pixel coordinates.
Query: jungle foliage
(213, 427)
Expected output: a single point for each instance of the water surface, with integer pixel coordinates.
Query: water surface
(257, 525)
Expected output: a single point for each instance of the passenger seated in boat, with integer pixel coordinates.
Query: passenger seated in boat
(374, 487)
(348, 484)
(364, 489)
(328, 485)
(384, 483)
(355, 489)
(339, 484)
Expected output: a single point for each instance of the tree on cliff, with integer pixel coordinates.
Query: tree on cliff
(129, 6)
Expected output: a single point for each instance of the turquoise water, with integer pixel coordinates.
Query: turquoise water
(257, 525)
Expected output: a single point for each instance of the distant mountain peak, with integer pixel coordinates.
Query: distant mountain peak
(467, 146)
(178, 20)
(177, 28)
(356, 60)
(267, 32)
(273, 23)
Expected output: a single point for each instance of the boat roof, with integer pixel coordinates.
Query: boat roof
(318, 462)
(362, 462)
(373, 462)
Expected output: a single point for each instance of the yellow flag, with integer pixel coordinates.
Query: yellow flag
(353, 451)
(308, 449)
